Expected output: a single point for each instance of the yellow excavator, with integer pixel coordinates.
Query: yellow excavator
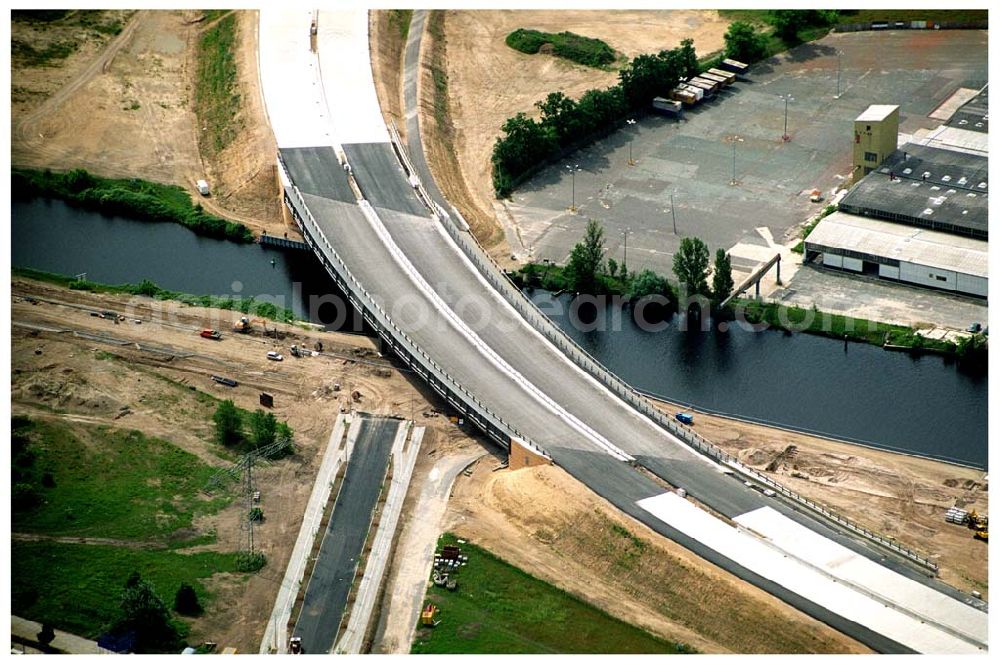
(980, 526)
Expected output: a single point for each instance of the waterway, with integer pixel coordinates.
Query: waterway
(917, 404)
(923, 405)
(54, 237)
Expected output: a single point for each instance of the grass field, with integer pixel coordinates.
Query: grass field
(77, 587)
(217, 100)
(109, 483)
(123, 490)
(499, 609)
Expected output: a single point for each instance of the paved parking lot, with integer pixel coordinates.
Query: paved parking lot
(693, 159)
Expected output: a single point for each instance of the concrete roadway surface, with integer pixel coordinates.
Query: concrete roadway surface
(430, 289)
(374, 265)
(333, 574)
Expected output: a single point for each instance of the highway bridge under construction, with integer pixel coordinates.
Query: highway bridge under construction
(414, 271)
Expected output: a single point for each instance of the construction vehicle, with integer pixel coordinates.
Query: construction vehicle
(982, 535)
(299, 351)
(212, 334)
(977, 522)
(427, 615)
(243, 326)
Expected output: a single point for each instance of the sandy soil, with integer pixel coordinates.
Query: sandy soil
(126, 110)
(489, 82)
(545, 522)
(902, 496)
(78, 380)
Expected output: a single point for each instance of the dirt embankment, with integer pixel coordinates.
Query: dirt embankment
(547, 523)
(142, 377)
(488, 82)
(387, 44)
(905, 497)
(123, 107)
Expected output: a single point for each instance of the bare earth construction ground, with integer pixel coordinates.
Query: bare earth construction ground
(76, 379)
(127, 111)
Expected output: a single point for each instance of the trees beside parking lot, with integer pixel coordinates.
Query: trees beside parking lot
(744, 43)
(564, 123)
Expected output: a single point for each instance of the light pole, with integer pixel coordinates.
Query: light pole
(625, 234)
(673, 215)
(734, 139)
(787, 98)
(838, 75)
(631, 123)
(572, 171)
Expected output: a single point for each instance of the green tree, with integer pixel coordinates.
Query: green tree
(647, 76)
(744, 43)
(559, 116)
(688, 58)
(186, 601)
(586, 260)
(525, 143)
(691, 266)
(228, 424)
(722, 279)
(145, 614)
(284, 433)
(648, 283)
(263, 428)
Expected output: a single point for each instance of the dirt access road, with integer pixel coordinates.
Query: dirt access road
(124, 108)
(56, 373)
(489, 82)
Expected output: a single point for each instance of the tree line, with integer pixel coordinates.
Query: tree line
(587, 271)
(564, 123)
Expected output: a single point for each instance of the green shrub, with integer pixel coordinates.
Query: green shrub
(577, 48)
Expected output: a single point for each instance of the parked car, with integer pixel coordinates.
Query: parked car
(975, 328)
(274, 356)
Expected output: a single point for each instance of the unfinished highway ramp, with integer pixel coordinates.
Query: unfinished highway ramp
(406, 265)
(344, 538)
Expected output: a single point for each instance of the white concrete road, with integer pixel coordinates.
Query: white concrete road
(410, 266)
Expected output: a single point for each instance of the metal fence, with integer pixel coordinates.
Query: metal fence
(394, 337)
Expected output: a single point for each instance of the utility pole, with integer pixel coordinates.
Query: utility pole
(787, 98)
(631, 123)
(625, 234)
(734, 139)
(838, 75)
(572, 171)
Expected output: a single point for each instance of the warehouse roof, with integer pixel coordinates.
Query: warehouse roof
(903, 243)
(876, 112)
(973, 115)
(929, 187)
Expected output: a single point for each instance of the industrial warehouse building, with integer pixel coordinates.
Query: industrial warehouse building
(901, 253)
(920, 214)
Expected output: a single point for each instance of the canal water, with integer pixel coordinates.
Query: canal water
(921, 405)
(54, 237)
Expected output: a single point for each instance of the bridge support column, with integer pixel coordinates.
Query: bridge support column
(779, 269)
